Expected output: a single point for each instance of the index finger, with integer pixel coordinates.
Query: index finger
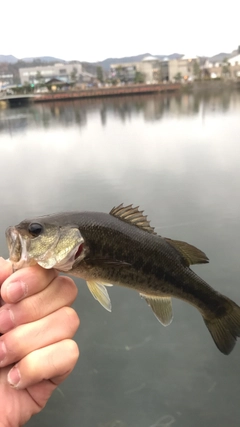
(5, 269)
(26, 282)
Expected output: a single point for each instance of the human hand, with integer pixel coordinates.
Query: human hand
(36, 349)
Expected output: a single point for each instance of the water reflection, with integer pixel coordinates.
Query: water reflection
(151, 108)
(178, 157)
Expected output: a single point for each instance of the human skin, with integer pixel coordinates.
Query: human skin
(37, 351)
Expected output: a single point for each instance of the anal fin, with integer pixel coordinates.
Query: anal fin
(100, 293)
(161, 307)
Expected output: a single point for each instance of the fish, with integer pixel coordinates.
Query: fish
(122, 248)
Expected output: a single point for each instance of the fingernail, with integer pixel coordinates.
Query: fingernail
(16, 291)
(6, 320)
(3, 351)
(14, 377)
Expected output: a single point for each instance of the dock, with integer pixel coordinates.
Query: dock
(99, 92)
(108, 91)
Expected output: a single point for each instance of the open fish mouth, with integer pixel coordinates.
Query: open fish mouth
(17, 248)
(66, 248)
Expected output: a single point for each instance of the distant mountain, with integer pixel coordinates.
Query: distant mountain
(107, 62)
(10, 59)
(175, 55)
(89, 67)
(219, 57)
(43, 59)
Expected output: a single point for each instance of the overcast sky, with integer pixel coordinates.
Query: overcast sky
(99, 29)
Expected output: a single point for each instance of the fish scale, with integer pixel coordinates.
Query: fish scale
(121, 248)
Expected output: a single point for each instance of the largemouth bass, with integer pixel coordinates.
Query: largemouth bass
(122, 248)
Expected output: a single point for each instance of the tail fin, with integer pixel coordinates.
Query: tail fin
(225, 329)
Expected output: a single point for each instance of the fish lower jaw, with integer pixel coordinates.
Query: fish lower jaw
(17, 245)
(22, 264)
(24, 261)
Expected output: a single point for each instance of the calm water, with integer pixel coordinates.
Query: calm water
(178, 158)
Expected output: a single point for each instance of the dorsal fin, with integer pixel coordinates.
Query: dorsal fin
(191, 254)
(133, 216)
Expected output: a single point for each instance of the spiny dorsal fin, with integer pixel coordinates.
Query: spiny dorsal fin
(191, 254)
(133, 216)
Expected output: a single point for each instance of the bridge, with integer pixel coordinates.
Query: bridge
(17, 100)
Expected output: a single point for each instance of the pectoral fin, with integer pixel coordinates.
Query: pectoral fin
(106, 262)
(161, 307)
(100, 293)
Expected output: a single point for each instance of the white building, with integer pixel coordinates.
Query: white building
(234, 66)
(235, 60)
(151, 67)
(62, 72)
(5, 80)
(183, 69)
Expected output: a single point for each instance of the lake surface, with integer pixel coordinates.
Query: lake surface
(178, 157)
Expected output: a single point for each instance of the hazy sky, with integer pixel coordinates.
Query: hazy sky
(95, 30)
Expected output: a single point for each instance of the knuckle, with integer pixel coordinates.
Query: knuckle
(34, 307)
(73, 350)
(72, 319)
(13, 345)
(50, 274)
(68, 286)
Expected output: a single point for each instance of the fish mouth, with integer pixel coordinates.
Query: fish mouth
(21, 253)
(16, 247)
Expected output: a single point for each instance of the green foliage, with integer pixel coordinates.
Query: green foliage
(100, 74)
(39, 77)
(178, 77)
(206, 74)
(159, 76)
(121, 74)
(225, 68)
(73, 74)
(196, 70)
(139, 77)
(25, 89)
(114, 81)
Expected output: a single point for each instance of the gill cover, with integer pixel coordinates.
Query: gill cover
(62, 255)
(46, 244)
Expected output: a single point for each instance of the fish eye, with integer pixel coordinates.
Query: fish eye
(35, 229)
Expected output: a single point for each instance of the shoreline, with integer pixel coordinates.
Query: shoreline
(108, 92)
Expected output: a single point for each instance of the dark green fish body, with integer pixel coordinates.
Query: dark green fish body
(126, 255)
(121, 248)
